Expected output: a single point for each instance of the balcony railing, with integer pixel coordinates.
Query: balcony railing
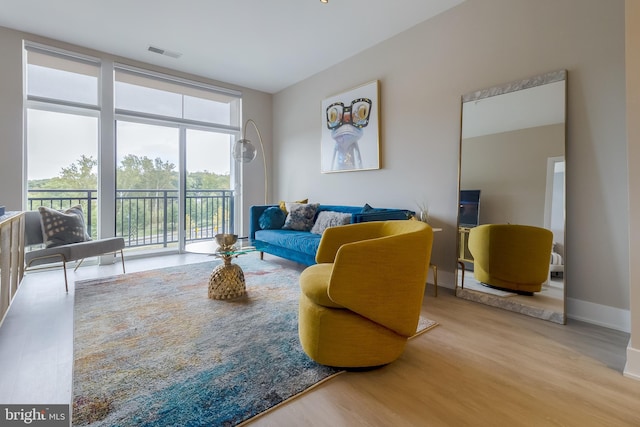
(149, 217)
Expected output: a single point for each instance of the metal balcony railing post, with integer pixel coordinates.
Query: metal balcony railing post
(89, 230)
(165, 222)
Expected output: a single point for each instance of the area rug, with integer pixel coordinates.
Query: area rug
(479, 287)
(151, 349)
(540, 305)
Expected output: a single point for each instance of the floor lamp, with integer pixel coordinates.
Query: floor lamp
(244, 152)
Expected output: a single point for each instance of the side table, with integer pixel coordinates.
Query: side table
(226, 280)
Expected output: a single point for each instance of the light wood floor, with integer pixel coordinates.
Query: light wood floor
(482, 366)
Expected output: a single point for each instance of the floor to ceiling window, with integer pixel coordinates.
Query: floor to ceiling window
(148, 151)
(173, 165)
(62, 119)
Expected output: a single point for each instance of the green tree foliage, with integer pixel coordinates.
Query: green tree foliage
(150, 178)
(207, 181)
(134, 172)
(79, 175)
(143, 173)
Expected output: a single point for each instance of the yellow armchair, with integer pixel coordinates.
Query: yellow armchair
(510, 256)
(362, 300)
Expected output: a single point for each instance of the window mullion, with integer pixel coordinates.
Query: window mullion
(178, 121)
(51, 101)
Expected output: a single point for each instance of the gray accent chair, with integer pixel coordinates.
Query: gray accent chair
(65, 253)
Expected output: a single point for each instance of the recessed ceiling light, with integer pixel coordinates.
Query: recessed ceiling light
(324, 1)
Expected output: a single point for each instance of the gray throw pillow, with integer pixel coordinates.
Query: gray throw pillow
(63, 227)
(328, 219)
(300, 216)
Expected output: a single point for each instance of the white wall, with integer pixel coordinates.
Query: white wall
(424, 71)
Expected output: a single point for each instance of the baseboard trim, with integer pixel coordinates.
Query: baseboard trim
(632, 367)
(598, 314)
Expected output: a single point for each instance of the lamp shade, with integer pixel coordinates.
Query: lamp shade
(244, 151)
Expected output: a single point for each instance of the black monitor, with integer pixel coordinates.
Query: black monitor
(469, 208)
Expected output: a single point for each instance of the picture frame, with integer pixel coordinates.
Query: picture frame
(351, 130)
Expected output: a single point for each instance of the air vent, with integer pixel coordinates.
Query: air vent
(164, 52)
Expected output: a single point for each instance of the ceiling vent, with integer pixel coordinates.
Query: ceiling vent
(164, 52)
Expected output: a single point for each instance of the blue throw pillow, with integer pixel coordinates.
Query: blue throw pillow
(367, 208)
(272, 218)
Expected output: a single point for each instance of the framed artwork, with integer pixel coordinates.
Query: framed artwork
(351, 130)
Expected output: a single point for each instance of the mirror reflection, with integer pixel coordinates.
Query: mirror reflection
(512, 197)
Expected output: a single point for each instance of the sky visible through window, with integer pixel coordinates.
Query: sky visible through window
(57, 139)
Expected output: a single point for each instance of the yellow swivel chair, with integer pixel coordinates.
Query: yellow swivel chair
(362, 299)
(512, 257)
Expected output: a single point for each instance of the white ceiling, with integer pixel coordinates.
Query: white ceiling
(260, 44)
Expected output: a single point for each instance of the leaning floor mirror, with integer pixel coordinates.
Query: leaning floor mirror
(511, 223)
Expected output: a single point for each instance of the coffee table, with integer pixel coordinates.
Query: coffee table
(227, 279)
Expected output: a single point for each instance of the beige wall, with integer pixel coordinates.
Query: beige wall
(510, 169)
(11, 188)
(256, 105)
(633, 135)
(424, 71)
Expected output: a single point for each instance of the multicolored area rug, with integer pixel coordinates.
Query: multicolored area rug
(151, 349)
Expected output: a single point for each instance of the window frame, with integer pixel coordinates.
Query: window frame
(107, 115)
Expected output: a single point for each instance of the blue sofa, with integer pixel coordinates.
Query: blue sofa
(301, 246)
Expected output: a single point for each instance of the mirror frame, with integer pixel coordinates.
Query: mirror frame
(531, 82)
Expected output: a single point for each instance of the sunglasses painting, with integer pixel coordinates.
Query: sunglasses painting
(350, 130)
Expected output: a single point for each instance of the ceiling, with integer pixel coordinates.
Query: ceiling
(265, 45)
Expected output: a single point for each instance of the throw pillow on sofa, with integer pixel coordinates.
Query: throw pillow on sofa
(367, 208)
(300, 216)
(283, 205)
(328, 219)
(272, 218)
(63, 227)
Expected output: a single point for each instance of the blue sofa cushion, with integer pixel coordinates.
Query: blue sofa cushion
(272, 218)
(300, 241)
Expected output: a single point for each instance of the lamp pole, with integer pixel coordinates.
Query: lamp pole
(243, 141)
